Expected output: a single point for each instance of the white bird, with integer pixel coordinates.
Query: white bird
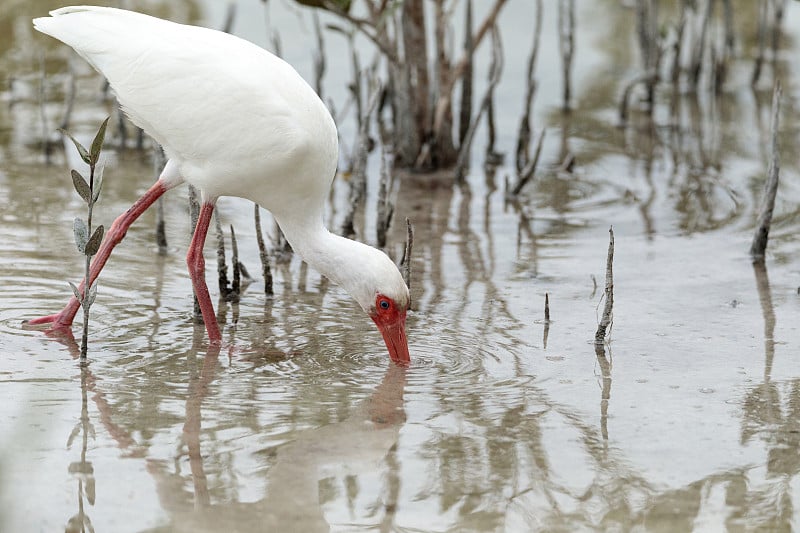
(234, 120)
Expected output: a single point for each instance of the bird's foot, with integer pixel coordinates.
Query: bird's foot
(59, 321)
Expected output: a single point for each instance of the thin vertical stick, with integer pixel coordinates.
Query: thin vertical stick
(465, 113)
(524, 136)
(319, 57)
(678, 47)
(696, 68)
(495, 71)
(566, 42)
(546, 331)
(759, 245)
(385, 210)
(194, 214)
(236, 283)
(546, 307)
(262, 251)
(405, 262)
(358, 179)
(608, 310)
(762, 38)
(222, 268)
(161, 233)
(528, 171)
(230, 16)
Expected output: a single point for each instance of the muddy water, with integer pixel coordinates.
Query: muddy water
(687, 420)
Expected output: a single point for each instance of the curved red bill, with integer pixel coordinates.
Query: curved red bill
(394, 335)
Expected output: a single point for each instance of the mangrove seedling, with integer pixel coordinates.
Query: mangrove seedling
(86, 239)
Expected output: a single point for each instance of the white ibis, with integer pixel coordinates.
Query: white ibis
(234, 120)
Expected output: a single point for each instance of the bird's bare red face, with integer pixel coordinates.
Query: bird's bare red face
(391, 321)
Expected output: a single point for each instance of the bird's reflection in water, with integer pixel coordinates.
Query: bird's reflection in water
(357, 445)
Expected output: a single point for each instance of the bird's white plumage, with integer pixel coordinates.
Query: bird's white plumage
(202, 93)
(234, 120)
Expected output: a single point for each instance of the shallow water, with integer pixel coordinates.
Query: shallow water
(687, 420)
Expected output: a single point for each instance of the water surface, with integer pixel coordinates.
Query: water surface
(686, 420)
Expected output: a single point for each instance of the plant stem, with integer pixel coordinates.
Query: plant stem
(88, 261)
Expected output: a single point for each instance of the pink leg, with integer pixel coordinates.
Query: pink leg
(197, 271)
(113, 236)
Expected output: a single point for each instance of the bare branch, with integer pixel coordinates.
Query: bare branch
(378, 39)
(262, 252)
(759, 245)
(566, 44)
(405, 261)
(222, 268)
(530, 168)
(495, 71)
(446, 90)
(524, 136)
(608, 309)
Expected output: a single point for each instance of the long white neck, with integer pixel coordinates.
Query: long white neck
(346, 262)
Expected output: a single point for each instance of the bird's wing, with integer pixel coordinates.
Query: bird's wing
(173, 80)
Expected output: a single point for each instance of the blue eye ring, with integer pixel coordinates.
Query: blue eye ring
(384, 304)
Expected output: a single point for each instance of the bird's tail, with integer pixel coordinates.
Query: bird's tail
(93, 32)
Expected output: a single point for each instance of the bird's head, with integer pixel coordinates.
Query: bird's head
(381, 292)
(389, 315)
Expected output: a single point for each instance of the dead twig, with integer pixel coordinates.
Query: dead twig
(677, 48)
(230, 16)
(405, 261)
(649, 44)
(524, 136)
(222, 268)
(319, 57)
(446, 90)
(385, 210)
(465, 114)
(495, 71)
(233, 295)
(528, 171)
(159, 161)
(648, 78)
(762, 39)
(546, 332)
(566, 45)
(194, 213)
(696, 66)
(262, 252)
(608, 309)
(358, 178)
(759, 245)
(546, 307)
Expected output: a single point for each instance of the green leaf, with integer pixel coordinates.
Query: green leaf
(92, 295)
(98, 182)
(97, 143)
(76, 292)
(81, 150)
(94, 242)
(81, 233)
(81, 186)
